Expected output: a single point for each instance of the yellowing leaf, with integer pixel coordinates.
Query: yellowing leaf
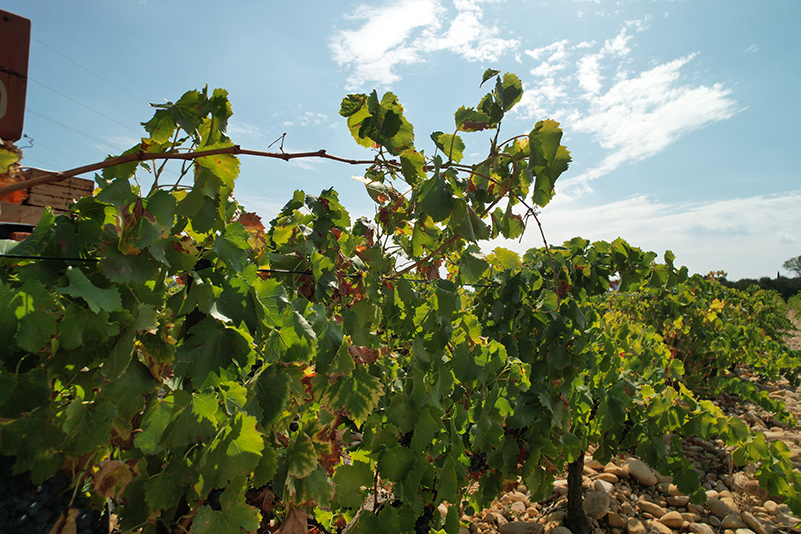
(112, 478)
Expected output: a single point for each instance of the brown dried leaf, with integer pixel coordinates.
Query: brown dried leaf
(294, 523)
(363, 355)
(263, 500)
(112, 478)
(66, 522)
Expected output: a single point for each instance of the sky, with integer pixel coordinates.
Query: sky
(682, 116)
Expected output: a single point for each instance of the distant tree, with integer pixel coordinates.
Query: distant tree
(794, 265)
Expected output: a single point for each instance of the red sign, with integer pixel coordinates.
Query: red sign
(15, 40)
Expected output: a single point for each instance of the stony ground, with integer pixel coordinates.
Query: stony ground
(628, 497)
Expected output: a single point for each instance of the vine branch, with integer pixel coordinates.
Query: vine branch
(141, 155)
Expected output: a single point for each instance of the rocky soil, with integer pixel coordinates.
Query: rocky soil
(628, 497)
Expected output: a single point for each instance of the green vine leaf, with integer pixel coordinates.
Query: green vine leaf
(233, 517)
(97, 298)
(301, 457)
(212, 350)
(357, 394)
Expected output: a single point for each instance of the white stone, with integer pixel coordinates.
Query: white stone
(678, 500)
(640, 472)
(701, 528)
(609, 477)
(603, 485)
(651, 508)
(522, 527)
(635, 526)
(660, 528)
(672, 520)
(596, 504)
(719, 507)
(733, 522)
(593, 464)
(616, 470)
(754, 524)
(516, 496)
(614, 520)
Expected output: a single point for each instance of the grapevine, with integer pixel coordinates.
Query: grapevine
(195, 369)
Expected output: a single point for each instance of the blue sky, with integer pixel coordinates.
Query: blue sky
(682, 116)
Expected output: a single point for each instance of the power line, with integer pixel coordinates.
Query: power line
(46, 164)
(79, 132)
(36, 144)
(93, 73)
(87, 107)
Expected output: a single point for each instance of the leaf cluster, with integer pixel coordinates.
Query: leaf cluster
(238, 375)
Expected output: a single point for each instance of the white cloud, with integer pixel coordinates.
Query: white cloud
(638, 117)
(753, 49)
(306, 118)
(553, 58)
(243, 129)
(381, 42)
(705, 236)
(633, 115)
(406, 31)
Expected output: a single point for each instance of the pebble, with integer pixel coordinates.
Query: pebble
(672, 520)
(770, 506)
(519, 508)
(609, 477)
(561, 530)
(522, 527)
(614, 520)
(516, 496)
(701, 528)
(640, 472)
(593, 464)
(596, 504)
(603, 485)
(718, 507)
(733, 521)
(678, 500)
(659, 528)
(754, 524)
(635, 526)
(497, 518)
(614, 469)
(651, 508)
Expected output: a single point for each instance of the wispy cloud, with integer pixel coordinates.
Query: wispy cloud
(307, 118)
(632, 115)
(705, 236)
(407, 31)
(243, 129)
